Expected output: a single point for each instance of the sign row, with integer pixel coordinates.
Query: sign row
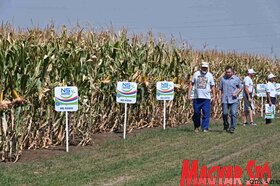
(66, 98)
(127, 91)
(261, 89)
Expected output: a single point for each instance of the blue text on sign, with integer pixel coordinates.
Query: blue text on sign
(164, 85)
(126, 85)
(65, 91)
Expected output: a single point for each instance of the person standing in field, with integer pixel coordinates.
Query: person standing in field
(203, 84)
(248, 95)
(270, 93)
(230, 86)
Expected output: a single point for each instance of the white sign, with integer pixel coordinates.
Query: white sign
(126, 92)
(269, 111)
(165, 90)
(240, 96)
(278, 88)
(192, 93)
(261, 90)
(66, 98)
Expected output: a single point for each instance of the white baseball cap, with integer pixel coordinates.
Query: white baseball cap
(251, 71)
(204, 64)
(271, 76)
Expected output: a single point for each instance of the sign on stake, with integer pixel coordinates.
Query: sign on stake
(261, 93)
(126, 93)
(165, 91)
(66, 99)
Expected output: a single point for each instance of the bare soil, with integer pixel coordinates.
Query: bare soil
(98, 140)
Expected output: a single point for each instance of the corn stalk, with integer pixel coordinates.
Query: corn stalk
(34, 62)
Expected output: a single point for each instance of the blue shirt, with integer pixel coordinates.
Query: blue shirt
(229, 86)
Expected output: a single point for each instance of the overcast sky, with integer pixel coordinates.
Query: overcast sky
(245, 26)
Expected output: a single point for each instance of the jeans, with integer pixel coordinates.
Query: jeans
(205, 106)
(273, 101)
(233, 107)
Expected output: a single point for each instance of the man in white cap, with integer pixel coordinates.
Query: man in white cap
(202, 83)
(248, 94)
(271, 93)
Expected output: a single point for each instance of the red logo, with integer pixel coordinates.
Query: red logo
(225, 175)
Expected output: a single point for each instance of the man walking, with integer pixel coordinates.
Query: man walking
(230, 86)
(202, 83)
(248, 95)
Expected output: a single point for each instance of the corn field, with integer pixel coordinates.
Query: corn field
(34, 61)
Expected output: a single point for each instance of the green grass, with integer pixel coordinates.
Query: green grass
(153, 157)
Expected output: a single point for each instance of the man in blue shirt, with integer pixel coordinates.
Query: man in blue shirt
(230, 86)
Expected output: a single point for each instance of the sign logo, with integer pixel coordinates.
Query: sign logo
(65, 91)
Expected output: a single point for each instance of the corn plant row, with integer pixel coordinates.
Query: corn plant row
(34, 61)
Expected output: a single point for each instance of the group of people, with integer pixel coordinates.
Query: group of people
(230, 86)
